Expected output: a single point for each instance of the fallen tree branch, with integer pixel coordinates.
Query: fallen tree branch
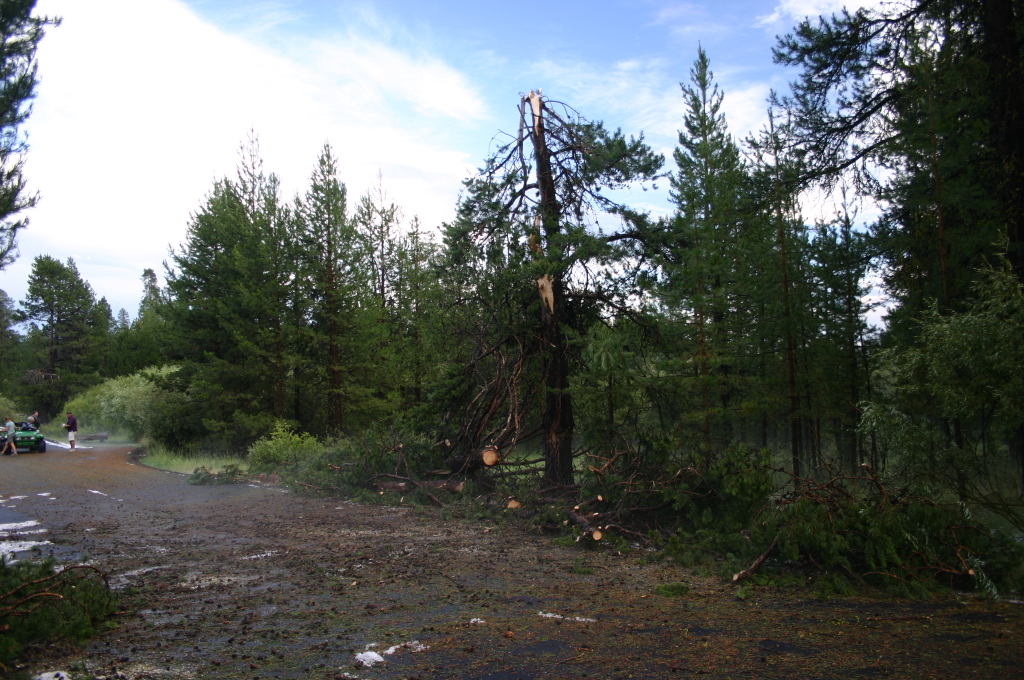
(757, 563)
(584, 524)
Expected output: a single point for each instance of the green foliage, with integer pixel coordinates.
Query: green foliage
(87, 407)
(956, 395)
(133, 405)
(22, 31)
(677, 589)
(8, 407)
(745, 591)
(282, 447)
(231, 474)
(717, 506)
(40, 603)
(864, 534)
(579, 566)
(351, 463)
(70, 328)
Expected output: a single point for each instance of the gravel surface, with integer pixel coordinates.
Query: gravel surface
(247, 581)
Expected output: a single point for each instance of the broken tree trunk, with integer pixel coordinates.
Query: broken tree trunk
(557, 423)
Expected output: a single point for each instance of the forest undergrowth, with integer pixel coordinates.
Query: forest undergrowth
(742, 518)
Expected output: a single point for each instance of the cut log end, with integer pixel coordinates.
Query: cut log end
(491, 456)
(597, 535)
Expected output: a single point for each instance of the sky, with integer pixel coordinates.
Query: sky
(142, 104)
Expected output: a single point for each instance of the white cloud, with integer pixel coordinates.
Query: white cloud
(143, 104)
(642, 96)
(797, 10)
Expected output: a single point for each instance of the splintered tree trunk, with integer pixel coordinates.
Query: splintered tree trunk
(557, 423)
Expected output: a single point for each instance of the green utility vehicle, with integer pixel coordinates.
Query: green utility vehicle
(28, 440)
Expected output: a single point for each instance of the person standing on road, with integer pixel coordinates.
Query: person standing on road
(72, 427)
(9, 445)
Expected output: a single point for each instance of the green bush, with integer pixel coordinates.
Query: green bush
(901, 542)
(715, 508)
(349, 463)
(282, 447)
(8, 407)
(131, 404)
(39, 603)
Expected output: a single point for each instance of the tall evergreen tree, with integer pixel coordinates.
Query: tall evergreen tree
(336, 285)
(71, 327)
(703, 257)
(20, 33)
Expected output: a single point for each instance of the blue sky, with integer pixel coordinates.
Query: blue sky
(143, 103)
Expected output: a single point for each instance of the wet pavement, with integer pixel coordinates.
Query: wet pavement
(247, 581)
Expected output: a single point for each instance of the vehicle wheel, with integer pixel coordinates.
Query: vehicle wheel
(41, 448)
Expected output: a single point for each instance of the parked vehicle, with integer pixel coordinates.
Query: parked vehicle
(29, 440)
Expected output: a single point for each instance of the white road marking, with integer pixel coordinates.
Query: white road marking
(269, 553)
(62, 445)
(549, 615)
(8, 548)
(22, 533)
(99, 492)
(14, 526)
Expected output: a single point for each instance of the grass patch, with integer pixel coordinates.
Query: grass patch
(163, 459)
(677, 589)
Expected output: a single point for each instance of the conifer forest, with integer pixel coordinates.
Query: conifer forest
(716, 383)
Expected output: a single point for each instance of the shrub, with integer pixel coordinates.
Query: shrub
(88, 408)
(130, 404)
(282, 447)
(350, 463)
(8, 407)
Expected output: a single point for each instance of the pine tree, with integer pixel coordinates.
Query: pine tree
(703, 257)
(336, 284)
(70, 330)
(20, 33)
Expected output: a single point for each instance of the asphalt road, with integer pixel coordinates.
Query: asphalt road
(244, 581)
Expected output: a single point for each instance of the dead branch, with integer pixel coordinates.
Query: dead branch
(757, 563)
(623, 530)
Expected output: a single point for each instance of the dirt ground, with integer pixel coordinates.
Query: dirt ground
(244, 581)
